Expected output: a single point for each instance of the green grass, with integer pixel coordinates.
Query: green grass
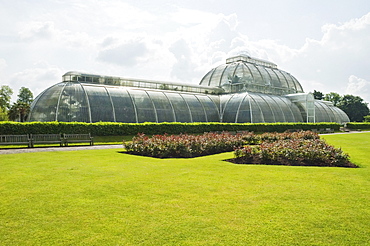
(104, 197)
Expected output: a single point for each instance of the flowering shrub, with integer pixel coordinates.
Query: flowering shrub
(296, 148)
(274, 136)
(293, 152)
(184, 145)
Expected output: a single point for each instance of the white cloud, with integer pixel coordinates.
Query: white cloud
(125, 54)
(37, 79)
(342, 51)
(187, 17)
(359, 87)
(3, 64)
(37, 30)
(169, 42)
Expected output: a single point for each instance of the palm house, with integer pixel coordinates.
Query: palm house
(243, 90)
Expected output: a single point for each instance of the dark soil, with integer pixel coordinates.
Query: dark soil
(285, 162)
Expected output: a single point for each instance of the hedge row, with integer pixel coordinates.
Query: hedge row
(118, 129)
(358, 125)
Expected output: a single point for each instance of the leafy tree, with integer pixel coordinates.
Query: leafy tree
(25, 95)
(318, 95)
(333, 97)
(19, 111)
(3, 114)
(354, 107)
(5, 94)
(367, 118)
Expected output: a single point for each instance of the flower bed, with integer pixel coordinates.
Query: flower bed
(303, 148)
(184, 145)
(293, 152)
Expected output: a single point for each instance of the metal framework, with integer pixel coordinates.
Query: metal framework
(244, 89)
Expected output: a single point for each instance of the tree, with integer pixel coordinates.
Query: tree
(5, 94)
(318, 95)
(25, 95)
(354, 107)
(19, 111)
(3, 114)
(367, 118)
(333, 97)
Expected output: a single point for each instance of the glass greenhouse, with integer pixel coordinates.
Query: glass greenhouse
(243, 90)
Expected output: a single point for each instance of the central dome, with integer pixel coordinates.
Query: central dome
(243, 73)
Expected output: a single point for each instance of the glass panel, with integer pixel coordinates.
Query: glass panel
(297, 84)
(216, 76)
(210, 108)
(256, 114)
(206, 79)
(123, 106)
(144, 106)
(73, 104)
(268, 114)
(319, 114)
(244, 112)
(281, 101)
(231, 108)
(255, 74)
(227, 77)
(342, 117)
(275, 82)
(275, 106)
(265, 76)
(297, 116)
(44, 107)
(100, 104)
(162, 106)
(322, 115)
(182, 112)
(282, 79)
(196, 108)
(292, 87)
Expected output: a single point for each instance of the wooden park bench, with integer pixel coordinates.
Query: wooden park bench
(46, 139)
(326, 130)
(77, 138)
(15, 140)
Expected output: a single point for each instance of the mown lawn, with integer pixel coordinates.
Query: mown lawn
(104, 197)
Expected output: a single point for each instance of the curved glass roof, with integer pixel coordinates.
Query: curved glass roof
(259, 108)
(243, 73)
(74, 101)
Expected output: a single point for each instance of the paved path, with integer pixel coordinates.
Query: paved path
(69, 148)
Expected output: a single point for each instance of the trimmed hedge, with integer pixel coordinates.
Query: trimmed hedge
(118, 129)
(358, 125)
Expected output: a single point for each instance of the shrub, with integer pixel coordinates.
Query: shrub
(184, 145)
(112, 128)
(358, 125)
(293, 152)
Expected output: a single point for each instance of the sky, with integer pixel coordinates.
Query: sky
(325, 44)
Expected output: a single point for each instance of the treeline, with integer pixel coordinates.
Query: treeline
(17, 111)
(122, 129)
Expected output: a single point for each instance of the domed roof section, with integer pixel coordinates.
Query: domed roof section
(244, 73)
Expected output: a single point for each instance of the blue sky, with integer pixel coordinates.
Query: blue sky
(324, 44)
